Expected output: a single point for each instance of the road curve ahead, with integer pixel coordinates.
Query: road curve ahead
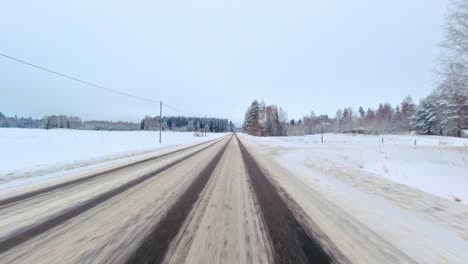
(211, 203)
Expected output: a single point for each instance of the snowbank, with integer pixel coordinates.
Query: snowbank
(33, 152)
(436, 165)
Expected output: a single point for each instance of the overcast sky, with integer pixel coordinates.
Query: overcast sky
(214, 57)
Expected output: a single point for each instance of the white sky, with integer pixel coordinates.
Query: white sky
(214, 57)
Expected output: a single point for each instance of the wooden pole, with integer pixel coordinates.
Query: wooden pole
(160, 121)
(321, 129)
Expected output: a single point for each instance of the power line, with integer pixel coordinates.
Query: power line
(92, 84)
(78, 80)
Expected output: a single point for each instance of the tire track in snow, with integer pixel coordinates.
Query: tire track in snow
(35, 230)
(154, 246)
(29, 195)
(290, 241)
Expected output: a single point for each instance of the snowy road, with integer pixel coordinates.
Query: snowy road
(195, 205)
(222, 201)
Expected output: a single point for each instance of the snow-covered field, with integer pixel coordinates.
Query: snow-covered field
(437, 165)
(403, 193)
(27, 153)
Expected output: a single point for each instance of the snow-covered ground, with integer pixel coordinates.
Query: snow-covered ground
(27, 153)
(403, 193)
(437, 165)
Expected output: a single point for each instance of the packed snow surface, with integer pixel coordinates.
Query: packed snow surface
(29, 153)
(413, 197)
(437, 165)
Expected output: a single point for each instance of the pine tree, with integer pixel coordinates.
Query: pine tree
(362, 116)
(277, 128)
(397, 119)
(425, 116)
(252, 122)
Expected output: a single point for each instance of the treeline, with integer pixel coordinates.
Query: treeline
(443, 112)
(262, 120)
(148, 123)
(64, 121)
(182, 123)
(431, 116)
(384, 119)
(20, 122)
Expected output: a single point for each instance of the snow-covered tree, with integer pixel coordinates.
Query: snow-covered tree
(252, 119)
(310, 123)
(424, 118)
(452, 91)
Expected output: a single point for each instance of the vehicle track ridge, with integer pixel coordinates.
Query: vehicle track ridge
(30, 232)
(155, 245)
(290, 241)
(24, 196)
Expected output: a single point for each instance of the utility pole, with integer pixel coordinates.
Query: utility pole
(160, 121)
(204, 127)
(321, 128)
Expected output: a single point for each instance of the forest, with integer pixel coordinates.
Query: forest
(172, 123)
